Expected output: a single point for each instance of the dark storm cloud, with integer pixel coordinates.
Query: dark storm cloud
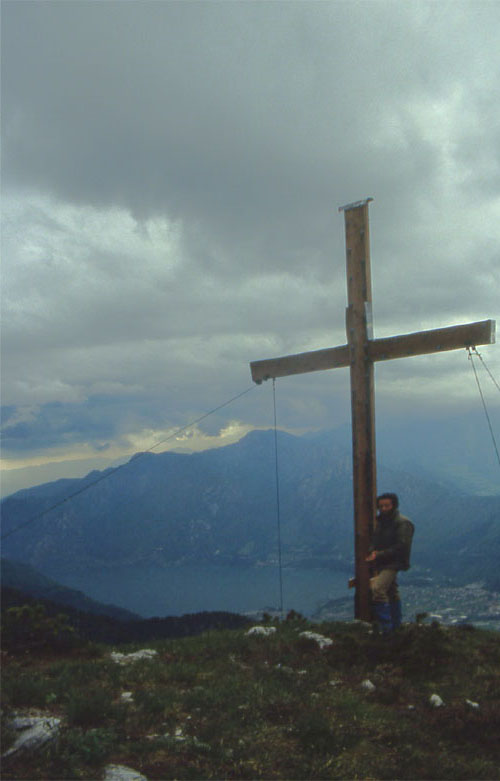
(171, 177)
(246, 120)
(249, 122)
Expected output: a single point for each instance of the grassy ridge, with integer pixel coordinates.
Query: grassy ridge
(228, 705)
(106, 629)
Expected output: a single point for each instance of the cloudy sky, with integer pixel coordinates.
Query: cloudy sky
(172, 173)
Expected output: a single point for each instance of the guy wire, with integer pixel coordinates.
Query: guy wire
(484, 404)
(484, 364)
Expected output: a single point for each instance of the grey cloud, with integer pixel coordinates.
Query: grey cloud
(236, 117)
(243, 126)
(102, 297)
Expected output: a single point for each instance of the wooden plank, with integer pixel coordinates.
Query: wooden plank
(317, 360)
(358, 326)
(437, 340)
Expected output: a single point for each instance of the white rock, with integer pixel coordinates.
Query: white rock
(436, 701)
(368, 685)
(35, 732)
(122, 773)
(146, 653)
(180, 737)
(262, 630)
(474, 705)
(22, 722)
(322, 641)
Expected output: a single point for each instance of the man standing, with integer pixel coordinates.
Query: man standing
(391, 544)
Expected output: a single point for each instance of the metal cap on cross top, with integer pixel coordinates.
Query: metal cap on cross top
(355, 205)
(359, 354)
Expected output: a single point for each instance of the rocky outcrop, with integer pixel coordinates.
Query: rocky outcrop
(34, 732)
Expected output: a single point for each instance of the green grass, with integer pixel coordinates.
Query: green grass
(225, 705)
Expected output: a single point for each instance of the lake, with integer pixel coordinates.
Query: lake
(157, 591)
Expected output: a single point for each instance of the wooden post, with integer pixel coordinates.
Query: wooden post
(359, 331)
(360, 353)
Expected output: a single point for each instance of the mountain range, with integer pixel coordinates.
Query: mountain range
(220, 506)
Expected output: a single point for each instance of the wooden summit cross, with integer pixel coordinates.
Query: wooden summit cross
(360, 353)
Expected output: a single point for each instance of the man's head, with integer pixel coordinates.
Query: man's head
(387, 503)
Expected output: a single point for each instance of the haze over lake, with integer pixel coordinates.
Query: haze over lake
(157, 591)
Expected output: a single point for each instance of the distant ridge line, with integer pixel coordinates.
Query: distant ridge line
(133, 459)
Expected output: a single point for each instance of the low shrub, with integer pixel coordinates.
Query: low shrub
(29, 629)
(79, 747)
(25, 689)
(89, 707)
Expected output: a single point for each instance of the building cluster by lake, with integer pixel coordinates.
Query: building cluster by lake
(451, 605)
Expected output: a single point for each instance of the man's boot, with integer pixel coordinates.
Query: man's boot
(383, 615)
(396, 613)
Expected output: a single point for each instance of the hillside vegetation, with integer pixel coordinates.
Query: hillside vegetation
(21, 577)
(228, 704)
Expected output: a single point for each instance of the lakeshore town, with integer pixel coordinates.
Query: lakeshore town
(447, 604)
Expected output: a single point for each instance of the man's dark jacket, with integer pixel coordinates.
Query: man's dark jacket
(392, 540)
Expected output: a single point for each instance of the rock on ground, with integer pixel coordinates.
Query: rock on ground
(35, 731)
(262, 630)
(146, 653)
(321, 640)
(122, 773)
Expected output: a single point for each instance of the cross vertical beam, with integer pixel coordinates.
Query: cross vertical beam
(359, 331)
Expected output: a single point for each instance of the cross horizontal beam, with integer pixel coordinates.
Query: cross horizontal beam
(331, 358)
(420, 343)
(435, 341)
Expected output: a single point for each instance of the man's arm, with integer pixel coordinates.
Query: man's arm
(399, 551)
